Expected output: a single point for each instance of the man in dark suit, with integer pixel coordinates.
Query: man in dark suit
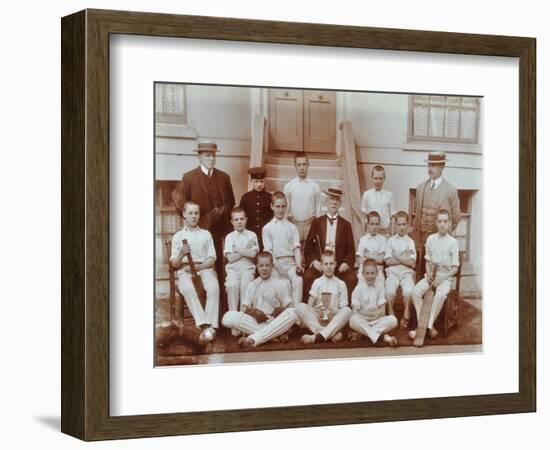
(211, 189)
(330, 232)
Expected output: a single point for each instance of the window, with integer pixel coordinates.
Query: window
(444, 118)
(170, 102)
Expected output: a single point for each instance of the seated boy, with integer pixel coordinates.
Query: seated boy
(240, 249)
(264, 313)
(369, 308)
(442, 260)
(372, 246)
(400, 262)
(327, 310)
(281, 239)
(200, 245)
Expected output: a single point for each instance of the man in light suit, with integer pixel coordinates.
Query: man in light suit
(211, 189)
(432, 195)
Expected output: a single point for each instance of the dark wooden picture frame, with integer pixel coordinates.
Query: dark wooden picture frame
(85, 224)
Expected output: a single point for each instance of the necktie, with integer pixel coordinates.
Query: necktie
(332, 219)
(433, 185)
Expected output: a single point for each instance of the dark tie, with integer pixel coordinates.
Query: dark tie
(331, 220)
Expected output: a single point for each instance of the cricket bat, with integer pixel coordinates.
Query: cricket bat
(425, 313)
(196, 279)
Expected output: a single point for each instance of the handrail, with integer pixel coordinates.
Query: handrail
(257, 147)
(347, 155)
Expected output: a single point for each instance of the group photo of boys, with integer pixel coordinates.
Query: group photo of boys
(287, 230)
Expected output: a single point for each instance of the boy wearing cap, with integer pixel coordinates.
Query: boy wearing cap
(379, 200)
(303, 196)
(257, 203)
(240, 249)
(334, 233)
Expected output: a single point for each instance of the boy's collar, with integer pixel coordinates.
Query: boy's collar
(189, 228)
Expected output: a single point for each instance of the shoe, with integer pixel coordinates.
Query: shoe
(246, 342)
(412, 334)
(308, 339)
(354, 336)
(208, 334)
(235, 333)
(337, 337)
(283, 338)
(390, 340)
(404, 324)
(432, 332)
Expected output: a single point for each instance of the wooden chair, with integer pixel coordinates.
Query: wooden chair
(450, 313)
(177, 302)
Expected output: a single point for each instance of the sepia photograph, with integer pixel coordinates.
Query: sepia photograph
(300, 224)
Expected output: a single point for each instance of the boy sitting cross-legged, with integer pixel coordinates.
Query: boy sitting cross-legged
(264, 313)
(369, 313)
(327, 310)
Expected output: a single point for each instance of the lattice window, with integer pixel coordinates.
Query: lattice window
(170, 103)
(444, 119)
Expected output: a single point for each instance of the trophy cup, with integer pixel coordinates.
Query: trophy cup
(326, 298)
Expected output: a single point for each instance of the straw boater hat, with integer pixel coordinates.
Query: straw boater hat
(332, 192)
(206, 146)
(436, 158)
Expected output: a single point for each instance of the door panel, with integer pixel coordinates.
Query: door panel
(320, 121)
(286, 127)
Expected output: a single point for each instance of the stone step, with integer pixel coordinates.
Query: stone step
(315, 172)
(289, 161)
(277, 184)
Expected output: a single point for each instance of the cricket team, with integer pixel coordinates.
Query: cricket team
(289, 264)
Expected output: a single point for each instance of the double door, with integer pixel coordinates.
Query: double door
(302, 120)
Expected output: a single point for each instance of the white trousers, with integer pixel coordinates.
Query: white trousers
(288, 267)
(373, 329)
(236, 281)
(208, 315)
(308, 317)
(260, 332)
(439, 298)
(406, 281)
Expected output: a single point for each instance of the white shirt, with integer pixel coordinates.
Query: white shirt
(267, 295)
(400, 245)
(443, 251)
(304, 198)
(200, 241)
(207, 172)
(330, 237)
(380, 201)
(280, 237)
(435, 183)
(371, 244)
(369, 299)
(241, 239)
(332, 285)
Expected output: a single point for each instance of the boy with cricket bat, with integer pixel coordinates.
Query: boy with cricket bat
(442, 261)
(193, 256)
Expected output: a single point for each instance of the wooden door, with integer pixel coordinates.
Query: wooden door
(320, 121)
(286, 119)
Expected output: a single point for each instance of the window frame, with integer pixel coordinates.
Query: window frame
(412, 138)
